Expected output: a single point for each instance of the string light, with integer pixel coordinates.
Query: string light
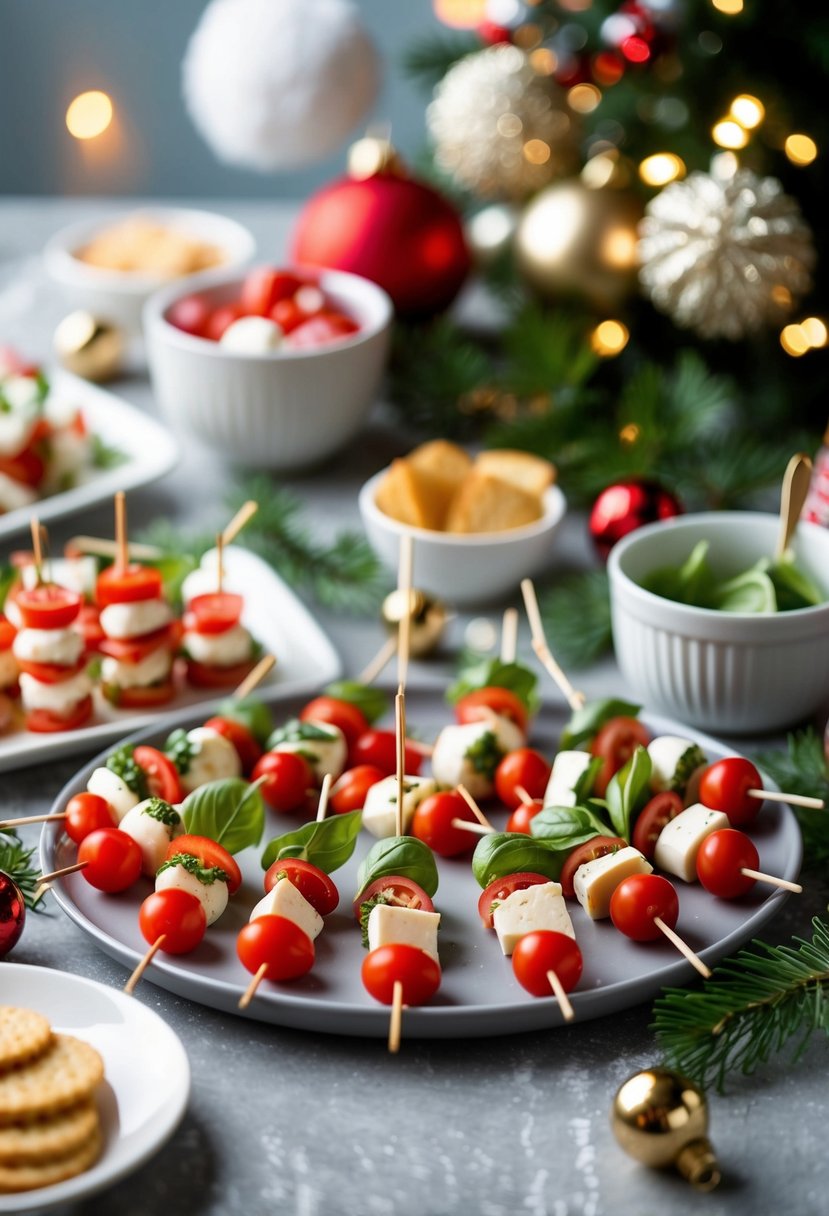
(460, 14)
(661, 168)
(800, 149)
(583, 98)
(537, 152)
(815, 331)
(609, 338)
(729, 134)
(629, 434)
(89, 114)
(729, 8)
(748, 111)
(794, 341)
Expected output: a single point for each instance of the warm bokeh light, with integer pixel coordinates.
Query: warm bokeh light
(629, 434)
(730, 8)
(608, 69)
(800, 149)
(729, 134)
(89, 115)
(544, 61)
(618, 248)
(748, 111)
(537, 152)
(815, 330)
(609, 338)
(781, 295)
(460, 14)
(661, 168)
(583, 98)
(794, 341)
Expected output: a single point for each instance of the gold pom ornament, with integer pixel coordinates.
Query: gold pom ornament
(89, 347)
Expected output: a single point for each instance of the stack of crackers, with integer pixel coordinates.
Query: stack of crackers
(441, 487)
(49, 1124)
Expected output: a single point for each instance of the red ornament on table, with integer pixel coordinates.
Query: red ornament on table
(12, 914)
(627, 505)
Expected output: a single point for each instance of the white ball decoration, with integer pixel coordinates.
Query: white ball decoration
(277, 84)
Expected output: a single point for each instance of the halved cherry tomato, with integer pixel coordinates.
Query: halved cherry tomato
(215, 612)
(247, 745)
(379, 747)
(210, 853)
(348, 793)
(724, 787)
(88, 625)
(311, 882)
(615, 743)
(525, 767)
(127, 585)
(653, 817)
(175, 915)
(45, 721)
(221, 319)
(721, 859)
(48, 606)
(473, 707)
(135, 650)
(191, 314)
(599, 846)
(348, 717)
(636, 903)
(416, 971)
(542, 951)
(288, 777)
(320, 329)
(278, 944)
(139, 697)
(208, 675)
(264, 286)
(500, 888)
(521, 818)
(288, 315)
(162, 775)
(398, 889)
(27, 467)
(432, 823)
(7, 633)
(112, 859)
(50, 673)
(85, 813)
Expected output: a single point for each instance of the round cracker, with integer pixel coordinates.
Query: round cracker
(63, 1076)
(24, 1034)
(40, 1140)
(47, 1173)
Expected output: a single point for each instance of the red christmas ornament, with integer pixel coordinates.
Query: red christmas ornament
(389, 228)
(627, 505)
(12, 913)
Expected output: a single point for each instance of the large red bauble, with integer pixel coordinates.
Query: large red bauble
(627, 505)
(12, 913)
(395, 231)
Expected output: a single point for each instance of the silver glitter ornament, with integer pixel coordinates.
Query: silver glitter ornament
(725, 257)
(500, 128)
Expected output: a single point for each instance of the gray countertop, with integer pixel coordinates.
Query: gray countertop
(285, 1121)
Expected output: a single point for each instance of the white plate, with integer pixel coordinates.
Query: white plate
(146, 1074)
(478, 994)
(305, 660)
(149, 450)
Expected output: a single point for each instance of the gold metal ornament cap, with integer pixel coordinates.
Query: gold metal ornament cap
(89, 346)
(371, 155)
(428, 617)
(660, 1118)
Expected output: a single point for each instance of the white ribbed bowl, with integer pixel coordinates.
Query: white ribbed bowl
(281, 410)
(723, 671)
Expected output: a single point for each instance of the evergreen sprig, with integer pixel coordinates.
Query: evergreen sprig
(751, 1008)
(576, 615)
(16, 862)
(802, 768)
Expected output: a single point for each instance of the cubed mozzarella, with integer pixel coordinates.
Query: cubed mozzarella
(14, 494)
(595, 881)
(147, 824)
(59, 698)
(389, 925)
(219, 649)
(323, 755)
(60, 646)
(8, 668)
(133, 620)
(568, 769)
(538, 907)
(674, 761)
(70, 455)
(214, 758)
(205, 580)
(678, 843)
(211, 895)
(380, 810)
(115, 792)
(285, 900)
(252, 336)
(463, 755)
(77, 573)
(154, 669)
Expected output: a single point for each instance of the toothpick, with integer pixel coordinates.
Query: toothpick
(129, 987)
(509, 635)
(772, 880)
(220, 549)
(523, 794)
(380, 661)
(249, 993)
(474, 808)
(561, 996)
(478, 829)
(243, 516)
(404, 585)
(322, 809)
(19, 823)
(254, 677)
(49, 878)
(396, 1017)
(100, 546)
(400, 742)
(575, 699)
(122, 555)
(815, 804)
(37, 549)
(682, 947)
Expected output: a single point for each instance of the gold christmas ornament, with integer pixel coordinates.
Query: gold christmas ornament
(428, 617)
(660, 1118)
(576, 241)
(725, 256)
(489, 233)
(89, 347)
(500, 127)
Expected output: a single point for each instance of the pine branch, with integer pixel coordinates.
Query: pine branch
(434, 372)
(431, 59)
(802, 768)
(576, 615)
(753, 1005)
(16, 862)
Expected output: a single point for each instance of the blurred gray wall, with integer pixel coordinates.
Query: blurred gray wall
(51, 50)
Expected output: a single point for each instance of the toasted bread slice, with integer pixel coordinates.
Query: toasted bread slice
(486, 504)
(442, 466)
(406, 495)
(529, 473)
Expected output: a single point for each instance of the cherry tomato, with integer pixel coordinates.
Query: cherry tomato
(113, 859)
(27, 467)
(599, 846)
(500, 888)
(348, 793)
(247, 745)
(145, 697)
(208, 675)
(216, 612)
(48, 606)
(724, 787)
(288, 315)
(278, 944)
(311, 882)
(473, 707)
(351, 720)
(135, 650)
(542, 951)
(50, 673)
(221, 319)
(721, 859)
(522, 817)
(175, 915)
(191, 314)
(432, 823)
(615, 743)
(88, 625)
(7, 633)
(209, 853)
(127, 585)
(287, 776)
(398, 889)
(653, 817)
(162, 775)
(416, 971)
(638, 900)
(264, 286)
(45, 721)
(85, 813)
(525, 767)
(379, 747)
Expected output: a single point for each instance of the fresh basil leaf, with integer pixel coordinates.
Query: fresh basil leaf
(690, 583)
(180, 750)
(8, 576)
(231, 812)
(295, 731)
(588, 721)
(584, 786)
(752, 591)
(403, 855)
(251, 714)
(512, 853)
(625, 791)
(489, 672)
(564, 827)
(372, 702)
(327, 844)
(793, 588)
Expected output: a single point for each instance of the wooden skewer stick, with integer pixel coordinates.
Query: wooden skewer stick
(575, 699)
(37, 548)
(380, 661)
(524, 795)
(424, 749)
(129, 987)
(400, 742)
(100, 546)
(474, 808)
(49, 878)
(479, 829)
(254, 677)
(404, 585)
(322, 809)
(242, 517)
(815, 804)
(682, 947)
(122, 552)
(561, 996)
(396, 1017)
(220, 570)
(772, 880)
(509, 635)
(19, 823)
(249, 993)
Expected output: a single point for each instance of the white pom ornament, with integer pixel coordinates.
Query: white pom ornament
(277, 84)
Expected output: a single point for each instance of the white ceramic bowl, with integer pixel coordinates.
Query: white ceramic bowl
(469, 568)
(120, 295)
(724, 671)
(282, 410)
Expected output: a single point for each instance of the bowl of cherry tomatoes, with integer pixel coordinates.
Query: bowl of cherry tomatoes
(275, 369)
